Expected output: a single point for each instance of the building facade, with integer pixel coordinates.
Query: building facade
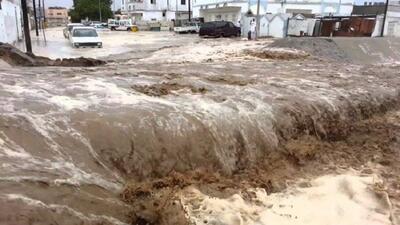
(232, 10)
(392, 27)
(10, 21)
(56, 16)
(156, 10)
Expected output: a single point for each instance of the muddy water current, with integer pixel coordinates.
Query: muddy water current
(71, 138)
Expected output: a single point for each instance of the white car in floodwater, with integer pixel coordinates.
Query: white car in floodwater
(67, 30)
(85, 37)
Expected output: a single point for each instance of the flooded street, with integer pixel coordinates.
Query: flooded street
(200, 120)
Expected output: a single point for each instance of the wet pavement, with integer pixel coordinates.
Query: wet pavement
(114, 43)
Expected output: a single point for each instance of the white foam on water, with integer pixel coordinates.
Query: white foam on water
(329, 200)
(60, 209)
(68, 103)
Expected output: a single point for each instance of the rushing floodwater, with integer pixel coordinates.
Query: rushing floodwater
(70, 138)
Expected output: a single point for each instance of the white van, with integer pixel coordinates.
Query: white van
(120, 24)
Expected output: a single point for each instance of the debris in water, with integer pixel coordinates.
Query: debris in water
(15, 57)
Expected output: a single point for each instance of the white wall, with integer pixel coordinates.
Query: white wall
(155, 11)
(392, 22)
(201, 6)
(295, 27)
(270, 25)
(314, 6)
(10, 22)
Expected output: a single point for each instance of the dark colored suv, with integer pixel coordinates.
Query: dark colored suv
(219, 29)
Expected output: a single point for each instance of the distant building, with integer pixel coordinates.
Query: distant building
(229, 10)
(368, 10)
(56, 16)
(156, 10)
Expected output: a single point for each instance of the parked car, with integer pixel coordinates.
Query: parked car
(120, 24)
(219, 29)
(85, 37)
(188, 28)
(67, 30)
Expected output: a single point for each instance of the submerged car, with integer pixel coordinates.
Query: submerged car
(85, 37)
(219, 29)
(67, 30)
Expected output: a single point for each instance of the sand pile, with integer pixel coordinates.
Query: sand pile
(277, 53)
(323, 48)
(15, 57)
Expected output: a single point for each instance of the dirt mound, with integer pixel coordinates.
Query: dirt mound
(166, 88)
(277, 53)
(15, 57)
(323, 48)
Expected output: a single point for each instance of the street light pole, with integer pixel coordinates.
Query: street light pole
(189, 10)
(26, 27)
(40, 14)
(384, 18)
(34, 15)
(100, 12)
(258, 20)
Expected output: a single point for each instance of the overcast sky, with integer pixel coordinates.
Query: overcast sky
(64, 3)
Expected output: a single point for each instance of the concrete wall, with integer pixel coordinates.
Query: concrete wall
(312, 8)
(295, 27)
(10, 22)
(392, 25)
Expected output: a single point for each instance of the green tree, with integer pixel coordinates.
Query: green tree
(91, 9)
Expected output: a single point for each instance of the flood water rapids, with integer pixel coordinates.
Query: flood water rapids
(71, 138)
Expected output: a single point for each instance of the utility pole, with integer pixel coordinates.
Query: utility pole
(44, 24)
(258, 20)
(189, 10)
(26, 26)
(34, 15)
(40, 14)
(384, 18)
(100, 12)
(44, 15)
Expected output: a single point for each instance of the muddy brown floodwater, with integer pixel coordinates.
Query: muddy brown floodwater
(209, 132)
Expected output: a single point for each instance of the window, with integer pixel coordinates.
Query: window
(85, 33)
(183, 2)
(59, 14)
(152, 1)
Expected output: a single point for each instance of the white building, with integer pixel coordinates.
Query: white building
(392, 24)
(10, 21)
(156, 10)
(232, 10)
